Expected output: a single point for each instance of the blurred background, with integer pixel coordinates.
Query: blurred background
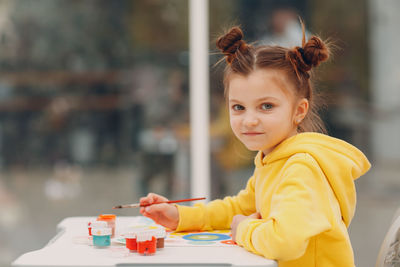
(94, 106)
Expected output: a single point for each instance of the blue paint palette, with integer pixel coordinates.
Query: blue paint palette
(201, 237)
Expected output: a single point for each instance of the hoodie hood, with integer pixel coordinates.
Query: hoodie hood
(340, 161)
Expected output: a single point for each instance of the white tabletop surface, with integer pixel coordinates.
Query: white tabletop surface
(71, 247)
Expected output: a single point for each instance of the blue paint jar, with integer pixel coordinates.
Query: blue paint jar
(101, 237)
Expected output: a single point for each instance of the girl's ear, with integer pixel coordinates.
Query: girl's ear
(301, 111)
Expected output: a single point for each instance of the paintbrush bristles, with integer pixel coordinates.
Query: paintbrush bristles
(136, 205)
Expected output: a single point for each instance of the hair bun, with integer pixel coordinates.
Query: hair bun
(232, 42)
(310, 55)
(315, 52)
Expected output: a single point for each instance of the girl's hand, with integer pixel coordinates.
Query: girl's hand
(164, 214)
(238, 218)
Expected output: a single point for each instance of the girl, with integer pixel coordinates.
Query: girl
(301, 198)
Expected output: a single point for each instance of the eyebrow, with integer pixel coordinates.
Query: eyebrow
(266, 98)
(258, 100)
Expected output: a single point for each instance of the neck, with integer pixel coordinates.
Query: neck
(269, 150)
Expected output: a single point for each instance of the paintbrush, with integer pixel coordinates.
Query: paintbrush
(137, 205)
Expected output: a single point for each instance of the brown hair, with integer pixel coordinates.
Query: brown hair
(296, 63)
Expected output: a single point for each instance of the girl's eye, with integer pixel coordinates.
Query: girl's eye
(266, 106)
(237, 107)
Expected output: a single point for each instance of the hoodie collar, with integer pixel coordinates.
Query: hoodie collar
(262, 160)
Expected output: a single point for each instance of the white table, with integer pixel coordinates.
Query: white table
(68, 248)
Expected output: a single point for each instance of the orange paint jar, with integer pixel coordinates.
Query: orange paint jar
(110, 219)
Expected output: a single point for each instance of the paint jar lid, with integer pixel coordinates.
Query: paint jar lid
(130, 235)
(131, 231)
(145, 235)
(160, 232)
(134, 229)
(106, 217)
(98, 224)
(101, 231)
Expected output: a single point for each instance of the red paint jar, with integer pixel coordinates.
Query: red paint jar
(89, 227)
(146, 243)
(130, 241)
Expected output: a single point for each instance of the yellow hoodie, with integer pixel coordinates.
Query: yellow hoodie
(304, 190)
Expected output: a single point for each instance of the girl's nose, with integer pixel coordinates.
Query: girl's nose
(250, 120)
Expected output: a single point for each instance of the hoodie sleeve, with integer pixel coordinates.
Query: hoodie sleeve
(217, 214)
(299, 210)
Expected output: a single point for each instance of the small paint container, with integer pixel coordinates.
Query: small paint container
(130, 241)
(160, 234)
(89, 227)
(101, 237)
(146, 242)
(110, 219)
(96, 224)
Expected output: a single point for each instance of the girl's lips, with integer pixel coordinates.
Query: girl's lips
(252, 133)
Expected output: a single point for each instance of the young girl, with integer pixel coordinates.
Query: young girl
(301, 198)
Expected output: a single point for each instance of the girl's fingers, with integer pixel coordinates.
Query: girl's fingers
(151, 216)
(149, 199)
(156, 208)
(164, 214)
(152, 198)
(156, 198)
(145, 200)
(157, 211)
(141, 210)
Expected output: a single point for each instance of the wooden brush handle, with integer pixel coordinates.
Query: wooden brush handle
(175, 201)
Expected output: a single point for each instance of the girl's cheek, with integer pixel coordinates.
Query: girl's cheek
(235, 123)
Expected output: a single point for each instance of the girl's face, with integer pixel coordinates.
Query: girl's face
(263, 110)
